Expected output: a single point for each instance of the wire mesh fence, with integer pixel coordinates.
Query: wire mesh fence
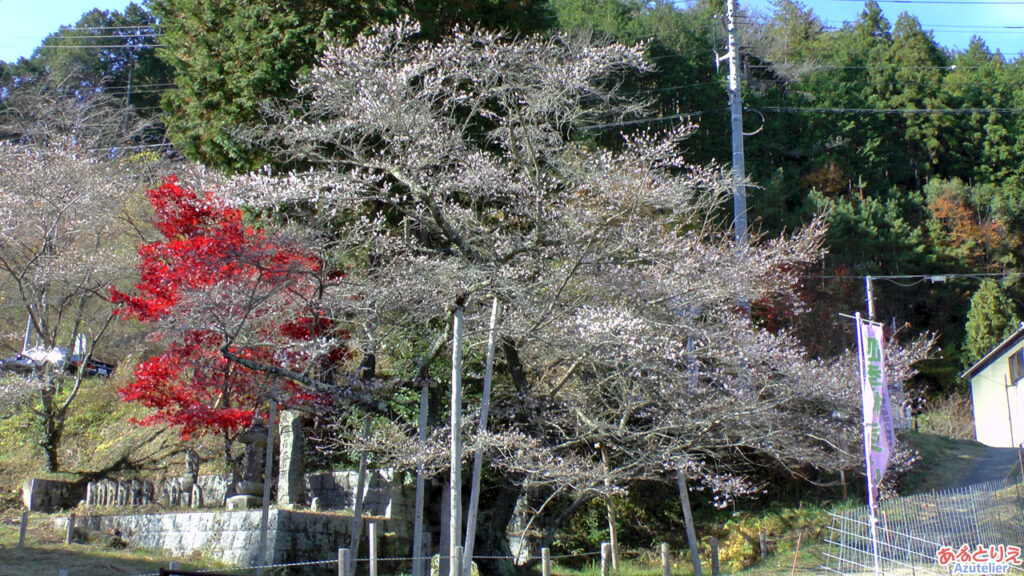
(911, 530)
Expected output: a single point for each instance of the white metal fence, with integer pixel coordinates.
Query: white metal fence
(911, 530)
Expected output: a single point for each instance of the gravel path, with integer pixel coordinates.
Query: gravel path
(995, 464)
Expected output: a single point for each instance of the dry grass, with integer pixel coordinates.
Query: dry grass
(46, 553)
(952, 417)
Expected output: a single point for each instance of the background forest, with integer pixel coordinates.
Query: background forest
(876, 152)
(914, 150)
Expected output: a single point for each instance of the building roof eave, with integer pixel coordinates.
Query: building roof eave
(1011, 341)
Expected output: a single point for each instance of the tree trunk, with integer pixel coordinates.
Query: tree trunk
(520, 381)
(497, 506)
(52, 424)
(691, 535)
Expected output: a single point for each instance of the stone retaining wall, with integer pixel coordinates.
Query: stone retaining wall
(233, 537)
(40, 495)
(385, 496)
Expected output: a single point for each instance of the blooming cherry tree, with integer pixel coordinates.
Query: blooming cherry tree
(467, 166)
(64, 223)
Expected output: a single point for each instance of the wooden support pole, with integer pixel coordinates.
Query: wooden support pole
(268, 467)
(372, 535)
(456, 565)
(691, 534)
(606, 558)
(478, 456)
(613, 535)
(715, 569)
(418, 563)
(455, 470)
(357, 512)
(666, 560)
(763, 541)
(343, 561)
(545, 561)
(23, 530)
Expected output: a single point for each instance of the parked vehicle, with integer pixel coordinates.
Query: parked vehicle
(31, 359)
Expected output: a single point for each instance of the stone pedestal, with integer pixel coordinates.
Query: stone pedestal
(245, 503)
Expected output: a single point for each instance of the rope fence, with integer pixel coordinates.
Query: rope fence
(342, 564)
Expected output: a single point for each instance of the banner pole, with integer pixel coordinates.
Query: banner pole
(866, 394)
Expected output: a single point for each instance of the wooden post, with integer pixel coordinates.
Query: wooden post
(545, 561)
(343, 561)
(666, 560)
(268, 467)
(606, 558)
(691, 534)
(763, 541)
(715, 570)
(609, 505)
(456, 565)
(455, 470)
(71, 529)
(428, 553)
(418, 554)
(24, 528)
(444, 549)
(357, 512)
(372, 535)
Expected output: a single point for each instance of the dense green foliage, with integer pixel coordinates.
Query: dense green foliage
(230, 58)
(915, 149)
(991, 319)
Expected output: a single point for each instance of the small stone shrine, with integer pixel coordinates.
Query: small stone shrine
(249, 489)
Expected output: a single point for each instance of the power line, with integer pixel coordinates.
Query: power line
(933, 278)
(952, 2)
(903, 111)
(650, 120)
(97, 36)
(102, 46)
(76, 28)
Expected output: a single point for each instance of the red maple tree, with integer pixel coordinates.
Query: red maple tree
(208, 277)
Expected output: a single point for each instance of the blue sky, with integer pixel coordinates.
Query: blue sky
(24, 23)
(999, 22)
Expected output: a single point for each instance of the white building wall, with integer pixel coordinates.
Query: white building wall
(992, 413)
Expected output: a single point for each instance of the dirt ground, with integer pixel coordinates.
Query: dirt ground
(994, 464)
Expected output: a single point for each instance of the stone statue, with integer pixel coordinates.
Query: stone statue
(249, 490)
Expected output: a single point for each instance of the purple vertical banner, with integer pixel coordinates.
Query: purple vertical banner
(878, 431)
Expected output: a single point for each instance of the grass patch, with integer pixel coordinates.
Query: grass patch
(98, 436)
(944, 461)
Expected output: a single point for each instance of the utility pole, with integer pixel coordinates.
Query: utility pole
(739, 194)
(870, 293)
